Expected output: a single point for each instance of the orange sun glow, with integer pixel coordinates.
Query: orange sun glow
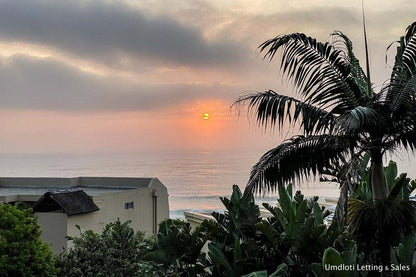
(205, 116)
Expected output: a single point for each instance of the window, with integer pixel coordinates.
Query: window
(129, 205)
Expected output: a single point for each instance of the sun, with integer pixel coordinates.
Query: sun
(205, 116)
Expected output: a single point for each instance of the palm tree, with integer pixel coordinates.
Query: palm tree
(340, 115)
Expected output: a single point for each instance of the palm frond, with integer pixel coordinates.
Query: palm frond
(271, 109)
(357, 71)
(318, 70)
(409, 52)
(406, 138)
(401, 96)
(368, 219)
(402, 133)
(348, 174)
(402, 83)
(296, 158)
(358, 120)
(348, 171)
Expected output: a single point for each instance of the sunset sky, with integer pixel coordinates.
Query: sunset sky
(92, 76)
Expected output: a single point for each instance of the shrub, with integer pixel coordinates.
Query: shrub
(117, 251)
(22, 253)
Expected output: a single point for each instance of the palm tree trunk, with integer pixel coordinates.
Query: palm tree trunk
(378, 178)
(380, 191)
(340, 215)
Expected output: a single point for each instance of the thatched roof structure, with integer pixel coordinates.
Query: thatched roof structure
(70, 202)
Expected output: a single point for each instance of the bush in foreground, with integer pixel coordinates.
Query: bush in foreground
(239, 242)
(117, 251)
(293, 241)
(22, 253)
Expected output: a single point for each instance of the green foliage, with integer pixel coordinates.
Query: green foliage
(297, 228)
(285, 244)
(177, 250)
(403, 255)
(240, 243)
(240, 250)
(332, 257)
(22, 253)
(371, 222)
(241, 213)
(117, 251)
(399, 186)
(380, 225)
(293, 241)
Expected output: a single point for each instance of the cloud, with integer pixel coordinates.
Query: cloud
(44, 84)
(112, 33)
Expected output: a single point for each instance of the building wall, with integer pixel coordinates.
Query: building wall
(162, 200)
(146, 193)
(54, 229)
(112, 207)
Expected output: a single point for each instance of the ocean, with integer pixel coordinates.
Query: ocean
(195, 179)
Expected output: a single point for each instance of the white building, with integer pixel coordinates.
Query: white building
(90, 202)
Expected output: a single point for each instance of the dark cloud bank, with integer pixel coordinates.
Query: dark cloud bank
(104, 33)
(107, 31)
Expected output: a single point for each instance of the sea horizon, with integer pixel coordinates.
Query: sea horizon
(195, 179)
